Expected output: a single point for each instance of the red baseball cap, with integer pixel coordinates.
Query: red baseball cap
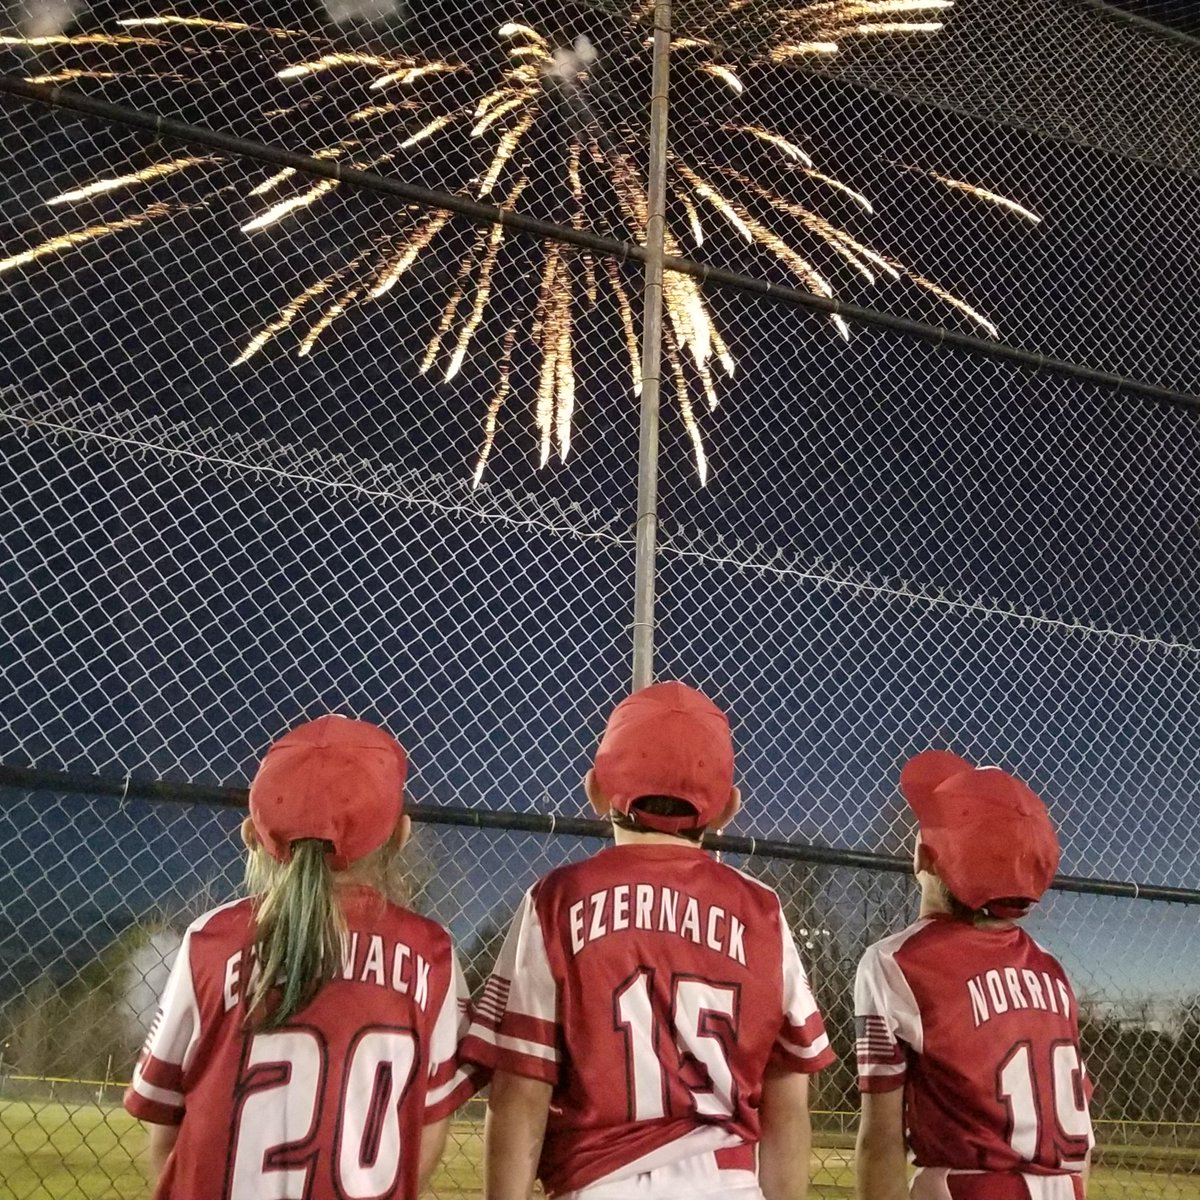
(989, 836)
(667, 740)
(333, 778)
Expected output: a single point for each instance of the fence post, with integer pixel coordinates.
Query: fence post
(652, 312)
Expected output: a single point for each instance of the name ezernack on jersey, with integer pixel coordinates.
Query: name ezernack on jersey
(660, 909)
(365, 959)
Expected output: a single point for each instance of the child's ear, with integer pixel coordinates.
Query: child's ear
(402, 832)
(923, 859)
(249, 835)
(596, 798)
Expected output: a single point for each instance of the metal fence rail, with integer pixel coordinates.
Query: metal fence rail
(167, 791)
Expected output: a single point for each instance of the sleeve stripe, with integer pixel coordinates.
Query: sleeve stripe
(147, 1110)
(159, 1074)
(525, 1047)
(533, 1029)
(438, 1095)
(880, 1069)
(482, 1049)
(478, 1049)
(815, 1050)
(812, 1027)
(439, 1073)
(515, 1045)
(515, 1024)
(481, 1035)
(453, 1100)
(158, 1095)
(804, 1066)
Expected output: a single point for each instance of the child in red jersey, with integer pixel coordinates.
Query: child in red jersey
(968, 1032)
(307, 1041)
(650, 1024)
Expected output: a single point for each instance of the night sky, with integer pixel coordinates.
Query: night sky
(898, 547)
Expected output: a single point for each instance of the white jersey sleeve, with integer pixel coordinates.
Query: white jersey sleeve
(802, 1044)
(886, 1021)
(156, 1092)
(516, 1021)
(451, 1083)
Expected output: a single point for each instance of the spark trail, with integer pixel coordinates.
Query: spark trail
(547, 130)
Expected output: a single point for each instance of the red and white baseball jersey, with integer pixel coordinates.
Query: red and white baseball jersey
(652, 986)
(331, 1105)
(981, 1029)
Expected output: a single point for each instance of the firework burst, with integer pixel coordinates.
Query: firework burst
(544, 99)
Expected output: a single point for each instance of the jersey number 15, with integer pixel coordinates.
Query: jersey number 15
(698, 1009)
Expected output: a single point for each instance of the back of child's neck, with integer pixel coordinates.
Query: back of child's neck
(651, 837)
(935, 906)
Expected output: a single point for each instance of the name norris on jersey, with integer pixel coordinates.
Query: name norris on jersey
(402, 970)
(994, 993)
(648, 906)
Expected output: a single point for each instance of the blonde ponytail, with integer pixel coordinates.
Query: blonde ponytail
(299, 933)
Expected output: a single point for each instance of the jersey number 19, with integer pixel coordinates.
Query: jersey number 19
(1045, 1097)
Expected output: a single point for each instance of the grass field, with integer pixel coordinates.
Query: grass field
(51, 1151)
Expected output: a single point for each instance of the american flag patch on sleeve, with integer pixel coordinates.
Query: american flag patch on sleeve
(882, 1061)
(874, 1044)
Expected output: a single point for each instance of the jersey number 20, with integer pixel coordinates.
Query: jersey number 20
(696, 1007)
(282, 1086)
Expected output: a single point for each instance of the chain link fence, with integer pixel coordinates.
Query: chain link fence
(277, 443)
